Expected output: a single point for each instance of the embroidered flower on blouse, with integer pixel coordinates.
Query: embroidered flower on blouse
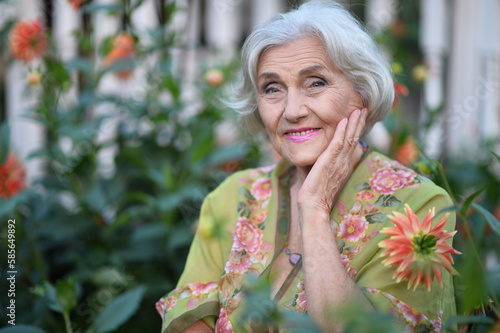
(353, 227)
(247, 236)
(388, 181)
(237, 264)
(373, 290)
(412, 316)
(301, 298)
(365, 195)
(223, 324)
(165, 304)
(347, 264)
(416, 249)
(202, 288)
(438, 324)
(259, 217)
(262, 188)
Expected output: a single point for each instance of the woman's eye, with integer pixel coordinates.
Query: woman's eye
(271, 90)
(318, 83)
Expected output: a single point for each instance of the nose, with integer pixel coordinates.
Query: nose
(295, 108)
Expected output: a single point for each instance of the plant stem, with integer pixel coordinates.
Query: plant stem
(67, 322)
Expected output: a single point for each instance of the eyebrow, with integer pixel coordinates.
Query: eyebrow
(302, 72)
(311, 69)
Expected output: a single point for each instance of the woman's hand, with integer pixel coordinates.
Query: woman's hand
(334, 166)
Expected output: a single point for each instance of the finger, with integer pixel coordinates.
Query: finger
(361, 124)
(351, 138)
(337, 142)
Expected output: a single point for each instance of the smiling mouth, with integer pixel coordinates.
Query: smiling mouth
(301, 135)
(301, 132)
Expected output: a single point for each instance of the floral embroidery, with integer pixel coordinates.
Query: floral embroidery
(438, 324)
(199, 288)
(247, 237)
(223, 324)
(347, 264)
(353, 228)
(411, 316)
(165, 304)
(387, 180)
(237, 263)
(196, 291)
(259, 217)
(365, 195)
(299, 302)
(373, 290)
(301, 297)
(416, 321)
(262, 188)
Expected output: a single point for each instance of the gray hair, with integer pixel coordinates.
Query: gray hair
(348, 44)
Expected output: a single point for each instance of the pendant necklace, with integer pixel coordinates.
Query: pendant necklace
(293, 257)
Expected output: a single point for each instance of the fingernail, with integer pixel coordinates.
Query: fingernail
(345, 122)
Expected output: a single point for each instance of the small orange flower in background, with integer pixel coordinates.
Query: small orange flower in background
(12, 177)
(214, 77)
(399, 90)
(407, 153)
(417, 250)
(28, 40)
(398, 28)
(76, 3)
(122, 48)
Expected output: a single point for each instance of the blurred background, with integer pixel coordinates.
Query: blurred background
(114, 128)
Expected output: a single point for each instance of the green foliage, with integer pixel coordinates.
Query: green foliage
(99, 243)
(119, 310)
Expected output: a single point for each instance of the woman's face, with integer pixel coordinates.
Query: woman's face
(302, 97)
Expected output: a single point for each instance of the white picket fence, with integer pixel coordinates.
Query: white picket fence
(460, 40)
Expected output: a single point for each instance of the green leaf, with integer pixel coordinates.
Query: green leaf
(4, 141)
(445, 210)
(243, 209)
(492, 221)
(377, 217)
(388, 201)
(21, 329)
(66, 294)
(467, 320)
(468, 201)
(363, 187)
(119, 310)
(58, 72)
(246, 193)
(498, 157)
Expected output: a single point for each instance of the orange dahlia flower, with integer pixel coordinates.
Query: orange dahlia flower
(28, 40)
(407, 153)
(122, 48)
(399, 90)
(417, 250)
(12, 177)
(76, 3)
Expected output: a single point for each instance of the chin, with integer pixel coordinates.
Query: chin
(303, 161)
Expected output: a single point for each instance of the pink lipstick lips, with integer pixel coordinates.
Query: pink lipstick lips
(300, 135)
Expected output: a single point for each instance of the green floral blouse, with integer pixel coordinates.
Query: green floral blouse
(249, 212)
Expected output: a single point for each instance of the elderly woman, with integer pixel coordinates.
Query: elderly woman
(319, 224)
